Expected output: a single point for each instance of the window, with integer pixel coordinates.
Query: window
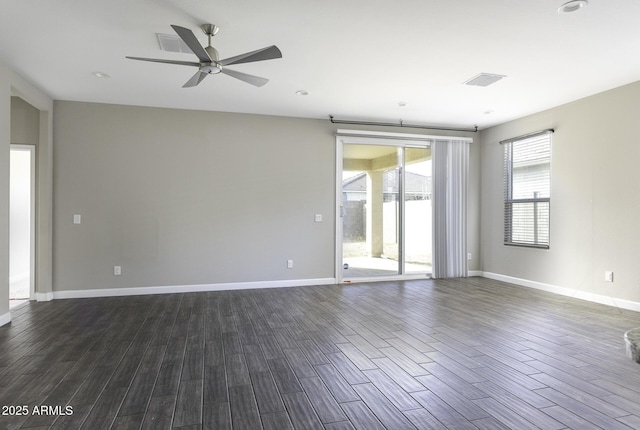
(527, 190)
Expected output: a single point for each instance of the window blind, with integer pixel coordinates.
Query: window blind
(527, 190)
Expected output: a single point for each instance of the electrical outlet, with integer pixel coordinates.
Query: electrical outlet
(468, 256)
(117, 270)
(608, 276)
(289, 264)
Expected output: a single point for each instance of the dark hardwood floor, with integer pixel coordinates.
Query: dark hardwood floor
(431, 354)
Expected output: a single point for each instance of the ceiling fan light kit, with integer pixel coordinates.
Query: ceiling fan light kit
(209, 59)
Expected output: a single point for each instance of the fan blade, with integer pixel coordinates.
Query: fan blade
(267, 53)
(250, 79)
(195, 79)
(157, 60)
(192, 42)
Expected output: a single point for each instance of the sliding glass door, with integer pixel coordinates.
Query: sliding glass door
(370, 245)
(385, 210)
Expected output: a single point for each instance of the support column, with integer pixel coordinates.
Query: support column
(375, 241)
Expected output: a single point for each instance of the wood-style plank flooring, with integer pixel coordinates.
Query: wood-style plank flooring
(430, 354)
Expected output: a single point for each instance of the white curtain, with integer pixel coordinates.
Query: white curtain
(450, 178)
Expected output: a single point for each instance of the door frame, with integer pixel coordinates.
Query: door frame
(32, 216)
(362, 137)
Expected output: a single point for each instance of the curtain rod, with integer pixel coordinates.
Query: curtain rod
(525, 136)
(400, 124)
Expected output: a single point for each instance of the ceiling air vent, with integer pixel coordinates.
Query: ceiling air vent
(172, 43)
(484, 79)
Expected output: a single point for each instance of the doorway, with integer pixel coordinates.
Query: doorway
(385, 213)
(21, 223)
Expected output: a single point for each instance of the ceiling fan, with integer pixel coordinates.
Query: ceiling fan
(210, 64)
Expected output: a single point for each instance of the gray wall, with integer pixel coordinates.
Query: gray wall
(182, 197)
(25, 121)
(595, 197)
(187, 197)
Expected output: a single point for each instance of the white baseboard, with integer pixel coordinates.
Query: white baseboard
(44, 297)
(170, 289)
(5, 319)
(583, 295)
(475, 273)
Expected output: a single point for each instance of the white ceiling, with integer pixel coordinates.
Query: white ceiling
(357, 58)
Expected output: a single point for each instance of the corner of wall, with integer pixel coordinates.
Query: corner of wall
(5, 319)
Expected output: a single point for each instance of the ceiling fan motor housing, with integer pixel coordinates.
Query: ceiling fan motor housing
(213, 53)
(213, 67)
